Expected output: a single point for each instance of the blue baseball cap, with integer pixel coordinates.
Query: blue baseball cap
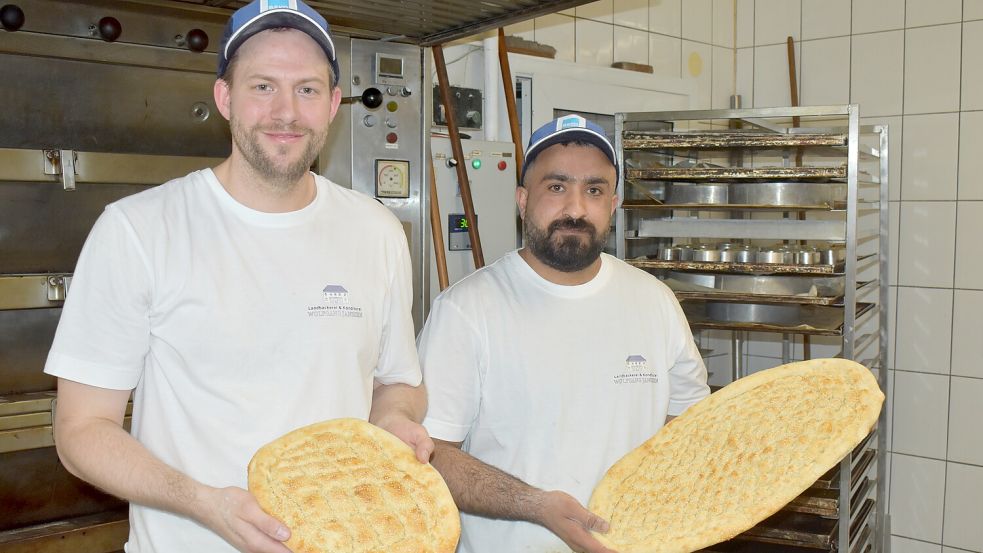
(260, 15)
(566, 129)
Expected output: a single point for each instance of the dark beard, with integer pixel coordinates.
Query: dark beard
(282, 178)
(569, 254)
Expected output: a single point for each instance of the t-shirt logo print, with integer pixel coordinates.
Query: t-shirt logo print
(335, 294)
(636, 371)
(335, 302)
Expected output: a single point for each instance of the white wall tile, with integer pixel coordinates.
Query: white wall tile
(969, 245)
(764, 344)
(965, 415)
(894, 235)
(972, 77)
(665, 16)
(932, 12)
(557, 31)
(697, 61)
(664, 55)
(697, 20)
(631, 13)
(775, 21)
(924, 330)
(931, 71)
(877, 15)
(892, 327)
(921, 409)
(970, 160)
(972, 9)
(631, 45)
(877, 73)
(894, 145)
(954, 550)
(825, 18)
(917, 488)
(771, 87)
(929, 157)
(757, 363)
(889, 405)
(745, 23)
(905, 545)
(598, 11)
(745, 76)
(524, 29)
(963, 507)
(723, 23)
(723, 77)
(967, 320)
(926, 240)
(825, 76)
(595, 42)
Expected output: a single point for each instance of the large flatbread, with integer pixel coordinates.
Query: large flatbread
(347, 486)
(737, 457)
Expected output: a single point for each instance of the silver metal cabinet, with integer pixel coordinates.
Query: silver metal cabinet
(773, 220)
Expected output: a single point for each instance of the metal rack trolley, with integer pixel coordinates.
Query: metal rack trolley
(690, 177)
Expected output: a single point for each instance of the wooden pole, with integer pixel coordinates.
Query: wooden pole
(462, 172)
(436, 228)
(503, 62)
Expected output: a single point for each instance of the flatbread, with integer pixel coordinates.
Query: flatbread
(347, 486)
(737, 457)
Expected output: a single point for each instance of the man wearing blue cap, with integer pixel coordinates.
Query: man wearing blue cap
(547, 366)
(239, 302)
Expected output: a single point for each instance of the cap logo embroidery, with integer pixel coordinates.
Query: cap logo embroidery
(571, 122)
(266, 5)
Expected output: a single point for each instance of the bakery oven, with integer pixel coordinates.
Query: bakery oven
(105, 99)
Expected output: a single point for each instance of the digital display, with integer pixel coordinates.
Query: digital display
(457, 222)
(390, 67)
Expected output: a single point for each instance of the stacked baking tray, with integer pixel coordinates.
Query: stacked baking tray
(759, 223)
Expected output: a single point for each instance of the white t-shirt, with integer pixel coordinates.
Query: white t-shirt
(235, 326)
(552, 383)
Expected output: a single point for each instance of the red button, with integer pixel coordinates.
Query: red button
(502, 165)
(391, 138)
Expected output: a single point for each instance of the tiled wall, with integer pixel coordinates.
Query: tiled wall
(918, 66)
(688, 39)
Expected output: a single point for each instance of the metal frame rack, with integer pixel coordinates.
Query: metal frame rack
(813, 182)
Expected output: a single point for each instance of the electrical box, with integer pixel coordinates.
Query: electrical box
(467, 107)
(491, 172)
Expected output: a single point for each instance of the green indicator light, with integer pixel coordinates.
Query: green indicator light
(476, 163)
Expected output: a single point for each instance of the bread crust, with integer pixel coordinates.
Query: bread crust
(347, 486)
(737, 457)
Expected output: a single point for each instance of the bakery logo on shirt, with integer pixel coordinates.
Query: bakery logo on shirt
(336, 302)
(636, 372)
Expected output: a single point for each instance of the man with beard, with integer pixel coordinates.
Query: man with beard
(239, 302)
(547, 366)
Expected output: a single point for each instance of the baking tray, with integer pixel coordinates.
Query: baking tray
(802, 530)
(642, 140)
(831, 480)
(817, 320)
(826, 503)
(657, 204)
(738, 268)
(770, 289)
(737, 173)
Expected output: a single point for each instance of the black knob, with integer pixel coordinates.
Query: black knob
(12, 17)
(110, 28)
(197, 40)
(372, 98)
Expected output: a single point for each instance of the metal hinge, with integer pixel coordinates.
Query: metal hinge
(61, 162)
